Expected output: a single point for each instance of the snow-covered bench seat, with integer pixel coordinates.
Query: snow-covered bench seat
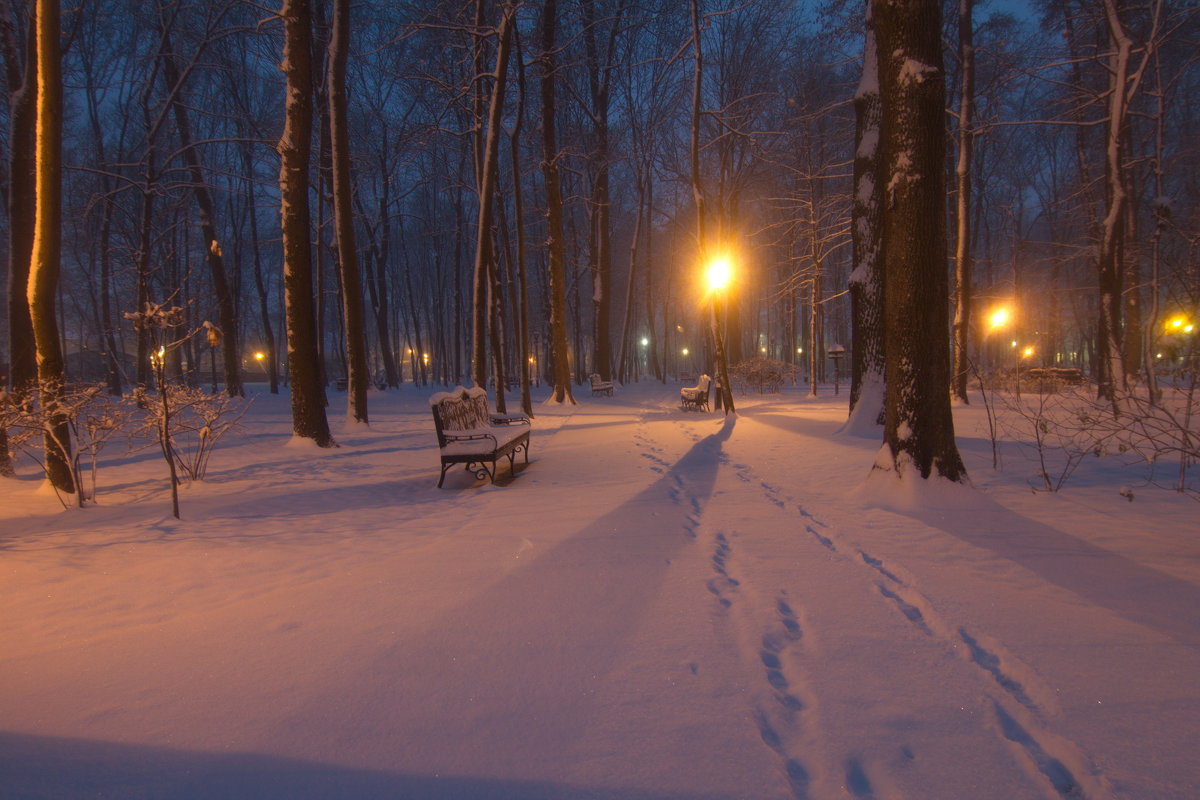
(469, 434)
(695, 397)
(600, 386)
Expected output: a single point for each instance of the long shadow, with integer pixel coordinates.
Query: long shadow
(516, 673)
(794, 424)
(48, 768)
(1134, 591)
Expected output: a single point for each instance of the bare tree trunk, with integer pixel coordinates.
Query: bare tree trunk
(45, 262)
(554, 214)
(347, 248)
(272, 351)
(1123, 84)
(484, 255)
(22, 202)
(867, 366)
(918, 426)
(295, 150)
(962, 243)
(519, 213)
(226, 311)
(725, 390)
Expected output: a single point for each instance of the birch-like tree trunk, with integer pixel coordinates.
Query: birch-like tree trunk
(918, 426)
(295, 150)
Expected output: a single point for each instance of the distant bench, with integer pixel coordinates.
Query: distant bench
(600, 387)
(468, 434)
(1051, 379)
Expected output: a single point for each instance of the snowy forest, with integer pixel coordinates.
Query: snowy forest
(335, 196)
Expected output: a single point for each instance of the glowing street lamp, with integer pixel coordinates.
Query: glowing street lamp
(719, 275)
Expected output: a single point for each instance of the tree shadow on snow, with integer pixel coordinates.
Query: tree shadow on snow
(34, 767)
(1137, 592)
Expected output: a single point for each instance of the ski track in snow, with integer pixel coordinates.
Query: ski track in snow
(1018, 717)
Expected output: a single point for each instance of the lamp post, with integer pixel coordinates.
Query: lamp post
(213, 334)
(720, 273)
(836, 352)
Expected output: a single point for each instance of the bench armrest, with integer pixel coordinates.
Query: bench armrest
(509, 419)
(469, 435)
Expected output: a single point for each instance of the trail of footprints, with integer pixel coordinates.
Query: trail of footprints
(778, 707)
(1021, 724)
(779, 717)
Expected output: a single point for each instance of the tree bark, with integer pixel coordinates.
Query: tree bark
(45, 262)
(559, 357)
(484, 252)
(343, 212)
(867, 365)
(22, 202)
(918, 426)
(295, 151)
(962, 242)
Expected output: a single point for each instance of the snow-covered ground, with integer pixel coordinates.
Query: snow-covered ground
(662, 605)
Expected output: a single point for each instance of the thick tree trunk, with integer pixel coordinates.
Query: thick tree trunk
(962, 242)
(559, 358)
(295, 150)
(918, 427)
(47, 249)
(22, 200)
(867, 366)
(347, 248)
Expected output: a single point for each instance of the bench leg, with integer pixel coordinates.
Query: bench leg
(442, 477)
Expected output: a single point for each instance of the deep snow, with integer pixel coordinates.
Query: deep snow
(662, 605)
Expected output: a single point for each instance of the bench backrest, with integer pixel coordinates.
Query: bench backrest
(459, 410)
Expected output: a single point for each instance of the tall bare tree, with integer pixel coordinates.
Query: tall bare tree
(213, 254)
(295, 150)
(21, 70)
(918, 426)
(962, 241)
(45, 264)
(555, 245)
(867, 365)
(484, 251)
(347, 249)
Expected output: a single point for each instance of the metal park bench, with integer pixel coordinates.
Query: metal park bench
(600, 387)
(469, 434)
(696, 397)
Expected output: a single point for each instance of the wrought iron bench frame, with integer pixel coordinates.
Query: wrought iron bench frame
(600, 387)
(469, 434)
(696, 397)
